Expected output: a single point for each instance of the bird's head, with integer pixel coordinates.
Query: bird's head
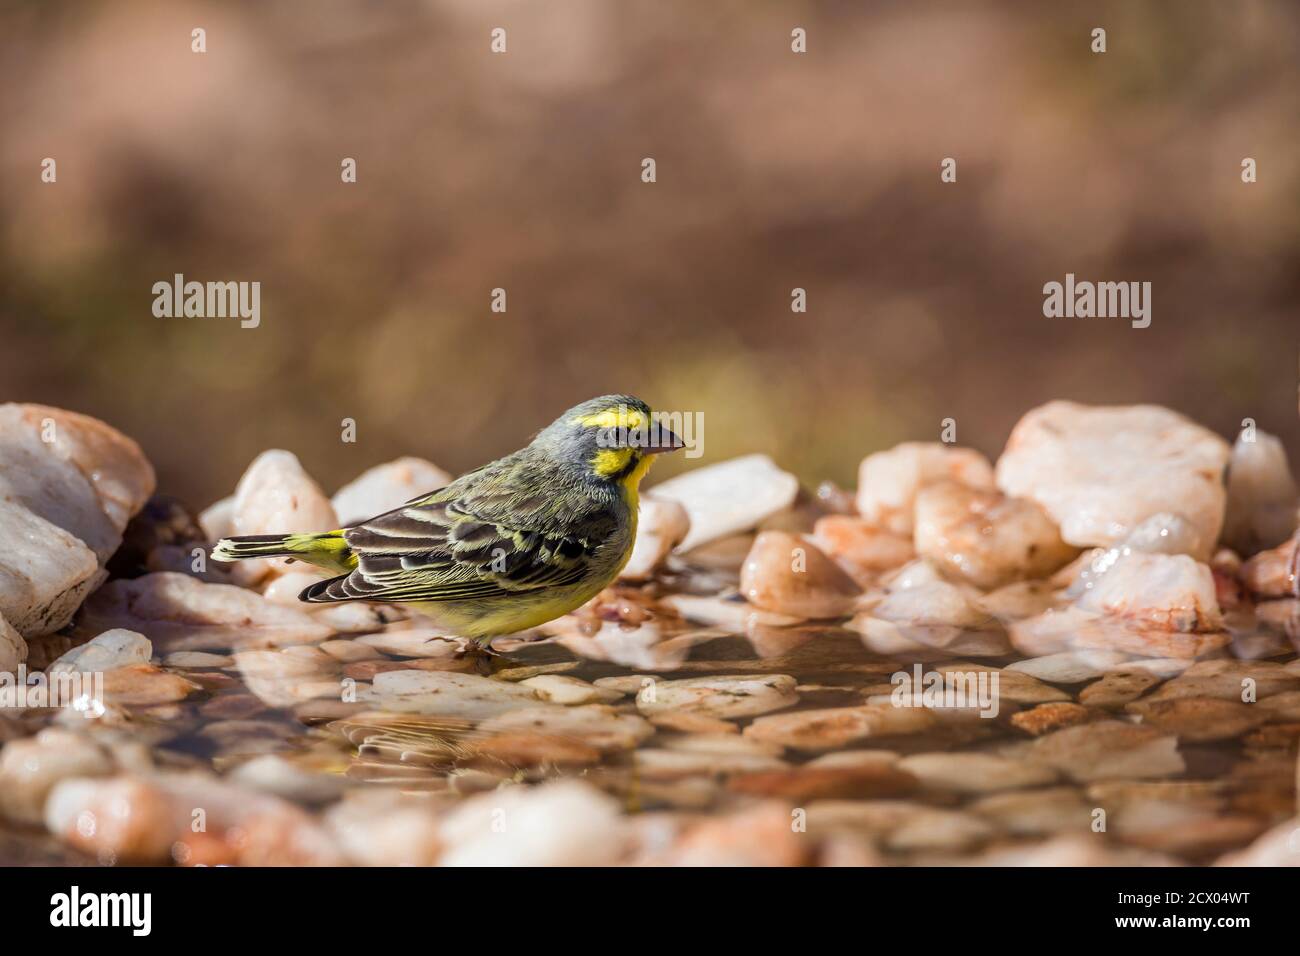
(611, 438)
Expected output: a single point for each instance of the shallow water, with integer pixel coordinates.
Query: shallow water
(866, 796)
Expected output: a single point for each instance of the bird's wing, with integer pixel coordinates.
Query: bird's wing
(468, 542)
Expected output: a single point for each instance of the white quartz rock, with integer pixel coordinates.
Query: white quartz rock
(45, 572)
(276, 496)
(661, 526)
(921, 609)
(728, 497)
(112, 463)
(919, 595)
(1163, 533)
(889, 480)
(217, 519)
(112, 649)
(186, 614)
(385, 487)
(1262, 496)
(46, 478)
(1100, 471)
(1171, 591)
(566, 823)
(13, 649)
(285, 677)
(68, 486)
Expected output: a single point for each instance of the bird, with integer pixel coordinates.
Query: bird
(506, 547)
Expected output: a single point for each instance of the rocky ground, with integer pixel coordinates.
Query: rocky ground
(1122, 585)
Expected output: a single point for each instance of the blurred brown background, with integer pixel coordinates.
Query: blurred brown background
(522, 170)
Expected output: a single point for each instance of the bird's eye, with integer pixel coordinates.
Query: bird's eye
(612, 437)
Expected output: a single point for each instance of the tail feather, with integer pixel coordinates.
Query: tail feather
(328, 549)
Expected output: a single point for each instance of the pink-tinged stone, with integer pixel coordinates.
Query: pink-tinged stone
(787, 574)
(861, 548)
(986, 538)
(888, 481)
(131, 819)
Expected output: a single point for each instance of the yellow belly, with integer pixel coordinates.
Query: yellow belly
(506, 615)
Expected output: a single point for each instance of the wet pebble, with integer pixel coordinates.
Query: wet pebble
(757, 836)
(566, 823)
(138, 820)
(1046, 718)
(115, 648)
(1109, 749)
(143, 685)
(286, 677)
(719, 697)
(1117, 689)
(1037, 812)
(13, 649)
(822, 782)
(974, 772)
(1262, 497)
(1230, 680)
(385, 828)
(278, 776)
(597, 725)
(449, 694)
(670, 764)
(787, 574)
(196, 660)
(822, 730)
(1275, 572)
(1200, 719)
(1070, 667)
(29, 769)
(1279, 846)
(181, 613)
(412, 642)
(350, 651)
(986, 538)
(558, 689)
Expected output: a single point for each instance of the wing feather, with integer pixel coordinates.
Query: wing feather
(470, 540)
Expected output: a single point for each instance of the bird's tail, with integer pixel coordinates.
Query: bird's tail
(326, 549)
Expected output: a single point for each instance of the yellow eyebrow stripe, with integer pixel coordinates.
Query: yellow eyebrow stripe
(614, 418)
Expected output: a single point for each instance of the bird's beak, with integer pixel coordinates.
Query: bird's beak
(662, 440)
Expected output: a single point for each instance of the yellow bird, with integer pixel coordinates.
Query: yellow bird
(508, 546)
